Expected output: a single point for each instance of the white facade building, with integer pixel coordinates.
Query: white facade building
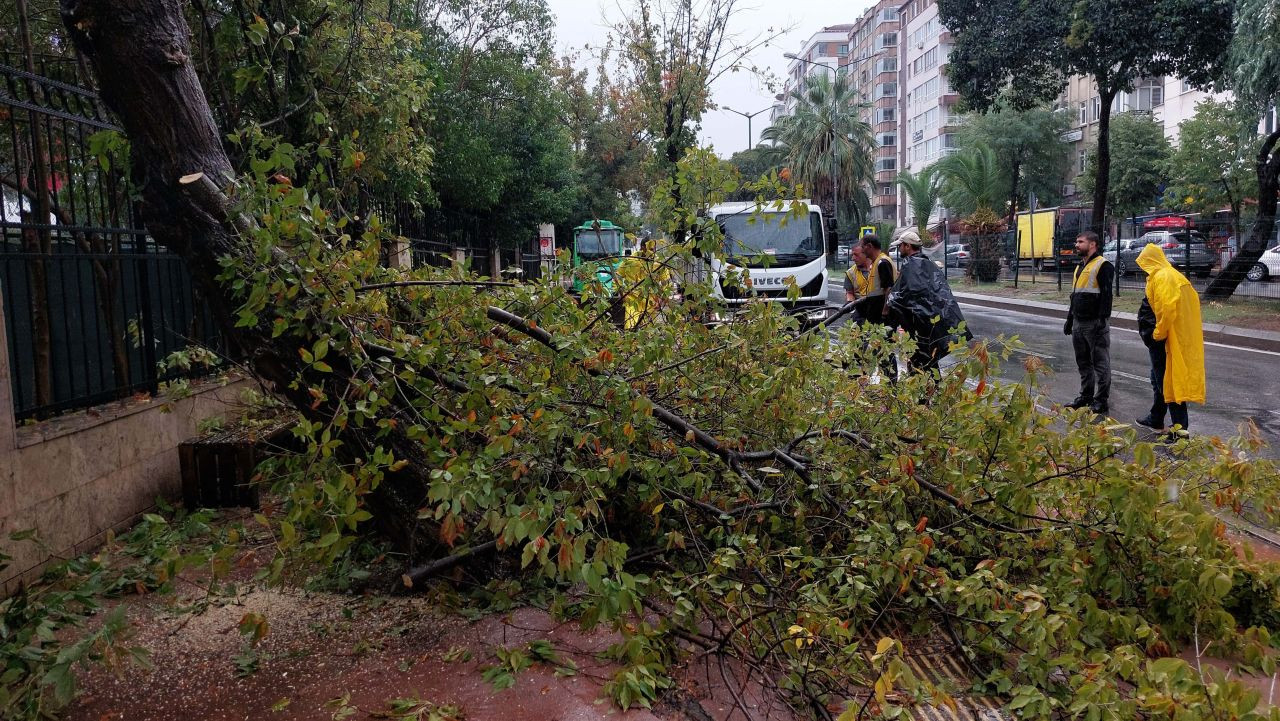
(822, 53)
(926, 107)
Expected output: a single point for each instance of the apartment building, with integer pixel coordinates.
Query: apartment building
(1083, 103)
(823, 53)
(926, 109)
(872, 68)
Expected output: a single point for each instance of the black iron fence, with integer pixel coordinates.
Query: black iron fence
(91, 303)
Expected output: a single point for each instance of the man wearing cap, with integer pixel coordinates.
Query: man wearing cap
(922, 302)
(1087, 323)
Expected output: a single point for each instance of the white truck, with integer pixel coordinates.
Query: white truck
(772, 242)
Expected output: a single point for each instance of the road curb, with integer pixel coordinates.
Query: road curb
(1213, 332)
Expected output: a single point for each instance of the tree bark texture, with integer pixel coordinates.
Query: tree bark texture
(1268, 170)
(139, 50)
(1102, 178)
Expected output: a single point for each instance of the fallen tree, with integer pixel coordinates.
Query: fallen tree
(730, 490)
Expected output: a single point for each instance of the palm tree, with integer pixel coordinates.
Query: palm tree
(973, 187)
(971, 180)
(922, 192)
(827, 145)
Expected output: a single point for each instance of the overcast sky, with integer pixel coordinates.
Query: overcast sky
(583, 21)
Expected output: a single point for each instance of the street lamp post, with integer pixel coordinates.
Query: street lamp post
(748, 116)
(835, 169)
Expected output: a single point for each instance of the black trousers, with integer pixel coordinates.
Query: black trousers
(1091, 340)
(1177, 411)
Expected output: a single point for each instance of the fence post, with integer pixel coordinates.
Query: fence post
(459, 257)
(8, 423)
(399, 255)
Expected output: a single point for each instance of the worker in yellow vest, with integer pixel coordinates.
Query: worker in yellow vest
(1087, 323)
(881, 274)
(856, 279)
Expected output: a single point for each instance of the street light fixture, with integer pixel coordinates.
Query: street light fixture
(748, 116)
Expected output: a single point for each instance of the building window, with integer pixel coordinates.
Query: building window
(843, 50)
(887, 90)
(886, 40)
(887, 65)
(883, 164)
(1187, 86)
(1082, 111)
(1096, 108)
(889, 14)
(888, 139)
(1083, 157)
(886, 115)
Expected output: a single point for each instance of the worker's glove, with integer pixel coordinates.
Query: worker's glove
(1066, 329)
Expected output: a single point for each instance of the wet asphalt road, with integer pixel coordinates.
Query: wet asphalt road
(1241, 383)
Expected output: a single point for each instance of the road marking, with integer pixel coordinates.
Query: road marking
(1122, 374)
(1216, 345)
(1024, 351)
(1131, 330)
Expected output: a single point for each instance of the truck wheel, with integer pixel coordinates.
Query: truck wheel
(1121, 267)
(1037, 264)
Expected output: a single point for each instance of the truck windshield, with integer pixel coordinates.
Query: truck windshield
(598, 244)
(776, 234)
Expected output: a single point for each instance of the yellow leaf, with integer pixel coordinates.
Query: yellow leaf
(658, 508)
(883, 646)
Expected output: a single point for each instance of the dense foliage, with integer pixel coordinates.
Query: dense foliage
(1212, 166)
(765, 505)
(1029, 149)
(1139, 165)
(1022, 51)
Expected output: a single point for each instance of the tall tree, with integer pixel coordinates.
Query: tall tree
(1255, 77)
(1212, 166)
(1140, 162)
(1023, 51)
(1028, 147)
(827, 145)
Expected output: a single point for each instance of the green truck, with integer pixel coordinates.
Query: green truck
(603, 246)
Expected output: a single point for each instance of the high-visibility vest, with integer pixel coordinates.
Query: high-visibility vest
(1086, 292)
(859, 280)
(1086, 276)
(873, 284)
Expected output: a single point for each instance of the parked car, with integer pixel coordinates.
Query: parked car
(958, 256)
(1267, 267)
(1184, 250)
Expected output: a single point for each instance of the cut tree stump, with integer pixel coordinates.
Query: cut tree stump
(217, 469)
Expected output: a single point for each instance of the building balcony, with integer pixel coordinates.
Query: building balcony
(946, 100)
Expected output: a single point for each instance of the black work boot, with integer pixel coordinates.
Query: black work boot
(1080, 402)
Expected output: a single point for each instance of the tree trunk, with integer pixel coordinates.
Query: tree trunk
(38, 240)
(1014, 174)
(1102, 176)
(1268, 169)
(140, 53)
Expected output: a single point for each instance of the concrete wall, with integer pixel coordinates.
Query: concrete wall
(74, 477)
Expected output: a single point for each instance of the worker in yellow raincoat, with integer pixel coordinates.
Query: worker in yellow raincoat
(1169, 323)
(645, 285)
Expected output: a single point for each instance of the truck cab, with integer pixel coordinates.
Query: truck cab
(602, 246)
(773, 242)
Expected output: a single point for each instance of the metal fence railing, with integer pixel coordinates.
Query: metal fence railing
(91, 302)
